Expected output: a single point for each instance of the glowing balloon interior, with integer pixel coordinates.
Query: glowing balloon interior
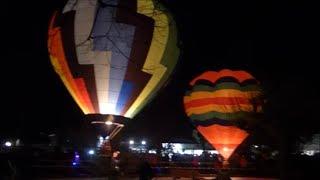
(218, 102)
(113, 55)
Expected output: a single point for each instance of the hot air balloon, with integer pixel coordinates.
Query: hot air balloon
(222, 105)
(113, 55)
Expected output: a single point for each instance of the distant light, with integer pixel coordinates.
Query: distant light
(131, 142)
(213, 152)
(225, 149)
(8, 144)
(106, 138)
(177, 148)
(74, 163)
(115, 154)
(18, 143)
(77, 156)
(198, 152)
(91, 152)
(143, 142)
(108, 123)
(309, 152)
(256, 146)
(152, 152)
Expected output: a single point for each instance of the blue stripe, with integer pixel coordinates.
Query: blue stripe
(124, 96)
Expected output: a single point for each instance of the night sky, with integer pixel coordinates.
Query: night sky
(273, 40)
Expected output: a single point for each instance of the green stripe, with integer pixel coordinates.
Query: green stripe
(169, 59)
(222, 86)
(227, 85)
(226, 116)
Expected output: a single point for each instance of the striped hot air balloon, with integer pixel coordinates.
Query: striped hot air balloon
(221, 105)
(113, 55)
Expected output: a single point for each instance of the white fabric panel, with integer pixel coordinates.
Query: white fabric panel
(69, 6)
(103, 96)
(101, 72)
(84, 19)
(114, 89)
(86, 56)
(112, 95)
(118, 60)
(118, 74)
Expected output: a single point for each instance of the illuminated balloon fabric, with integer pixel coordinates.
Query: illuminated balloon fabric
(113, 55)
(218, 101)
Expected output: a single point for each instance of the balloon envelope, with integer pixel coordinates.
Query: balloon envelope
(221, 102)
(113, 55)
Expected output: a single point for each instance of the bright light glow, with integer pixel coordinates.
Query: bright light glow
(74, 163)
(107, 108)
(213, 152)
(106, 138)
(143, 142)
(115, 154)
(309, 152)
(197, 152)
(256, 146)
(184, 149)
(225, 149)
(91, 152)
(18, 143)
(134, 149)
(131, 142)
(188, 151)
(108, 123)
(8, 144)
(152, 152)
(177, 148)
(77, 156)
(100, 142)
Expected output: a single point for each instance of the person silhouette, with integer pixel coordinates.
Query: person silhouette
(145, 171)
(223, 175)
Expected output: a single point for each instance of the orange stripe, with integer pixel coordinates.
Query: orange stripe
(59, 62)
(218, 101)
(84, 93)
(213, 76)
(225, 139)
(221, 93)
(219, 108)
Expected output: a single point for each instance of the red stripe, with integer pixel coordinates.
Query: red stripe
(84, 93)
(218, 101)
(213, 76)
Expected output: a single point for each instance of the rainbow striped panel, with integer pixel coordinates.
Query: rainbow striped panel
(222, 97)
(218, 102)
